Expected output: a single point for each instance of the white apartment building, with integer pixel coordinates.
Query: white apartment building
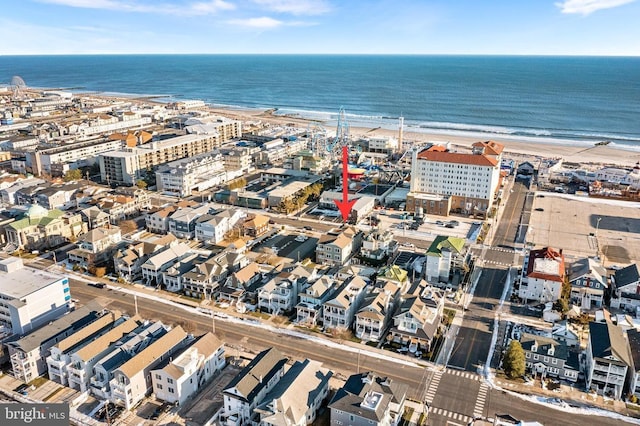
(127, 166)
(542, 275)
(30, 297)
(469, 180)
(620, 176)
(109, 124)
(182, 377)
(198, 173)
(383, 144)
(73, 156)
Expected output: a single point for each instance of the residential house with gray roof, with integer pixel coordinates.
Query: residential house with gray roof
(132, 380)
(235, 286)
(96, 246)
(297, 397)
(182, 376)
(367, 399)
(311, 298)
(588, 281)
(375, 312)
(280, 294)
(248, 389)
(609, 364)
(94, 217)
(626, 288)
(157, 263)
(213, 226)
(339, 311)
(418, 318)
(549, 357)
(182, 222)
(128, 261)
(204, 279)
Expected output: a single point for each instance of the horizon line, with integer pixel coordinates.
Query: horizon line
(326, 54)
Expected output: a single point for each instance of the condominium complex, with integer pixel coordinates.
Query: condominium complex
(126, 167)
(58, 160)
(198, 173)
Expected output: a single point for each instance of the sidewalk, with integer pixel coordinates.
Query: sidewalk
(568, 394)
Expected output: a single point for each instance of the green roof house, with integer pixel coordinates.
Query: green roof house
(443, 256)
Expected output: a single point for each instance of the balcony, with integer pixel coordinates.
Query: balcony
(98, 384)
(56, 364)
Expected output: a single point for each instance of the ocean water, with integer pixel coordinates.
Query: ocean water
(536, 99)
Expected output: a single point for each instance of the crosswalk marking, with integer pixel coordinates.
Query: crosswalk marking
(465, 374)
(433, 387)
(482, 396)
(451, 415)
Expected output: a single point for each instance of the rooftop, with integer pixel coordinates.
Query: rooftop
(23, 282)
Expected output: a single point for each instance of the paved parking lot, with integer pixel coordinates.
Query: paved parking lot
(582, 226)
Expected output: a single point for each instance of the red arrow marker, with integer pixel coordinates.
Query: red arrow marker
(345, 205)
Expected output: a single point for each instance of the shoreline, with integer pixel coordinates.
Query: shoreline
(592, 154)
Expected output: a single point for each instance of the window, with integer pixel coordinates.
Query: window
(170, 390)
(160, 387)
(170, 380)
(158, 377)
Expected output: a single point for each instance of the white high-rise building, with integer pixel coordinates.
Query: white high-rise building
(465, 182)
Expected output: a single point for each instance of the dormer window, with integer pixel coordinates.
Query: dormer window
(551, 350)
(534, 348)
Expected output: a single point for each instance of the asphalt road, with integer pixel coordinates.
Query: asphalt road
(255, 339)
(473, 342)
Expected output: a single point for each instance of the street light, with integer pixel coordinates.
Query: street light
(598, 225)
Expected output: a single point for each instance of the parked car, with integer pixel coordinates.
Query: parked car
(97, 285)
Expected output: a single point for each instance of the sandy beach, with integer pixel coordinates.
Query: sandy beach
(605, 155)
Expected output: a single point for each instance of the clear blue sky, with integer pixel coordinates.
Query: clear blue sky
(528, 27)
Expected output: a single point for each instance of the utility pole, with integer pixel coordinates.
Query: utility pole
(213, 323)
